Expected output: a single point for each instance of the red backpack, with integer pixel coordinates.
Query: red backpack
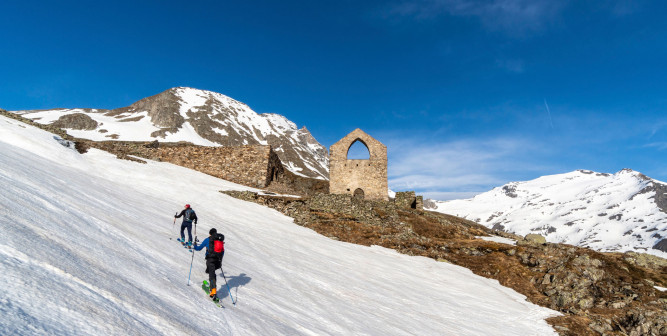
(216, 245)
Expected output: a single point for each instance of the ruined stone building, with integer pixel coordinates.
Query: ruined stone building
(365, 179)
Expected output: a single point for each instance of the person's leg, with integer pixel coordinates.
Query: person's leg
(190, 232)
(210, 269)
(183, 231)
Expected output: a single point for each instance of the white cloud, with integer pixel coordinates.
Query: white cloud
(512, 16)
(658, 125)
(657, 145)
(446, 196)
(462, 168)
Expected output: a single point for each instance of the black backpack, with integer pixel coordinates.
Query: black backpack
(216, 246)
(189, 214)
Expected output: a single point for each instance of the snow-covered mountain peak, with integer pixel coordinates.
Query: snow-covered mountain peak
(191, 97)
(201, 117)
(609, 212)
(279, 122)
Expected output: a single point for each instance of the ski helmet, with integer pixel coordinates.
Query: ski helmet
(187, 205)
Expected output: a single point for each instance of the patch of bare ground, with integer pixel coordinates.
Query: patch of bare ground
(597, 293)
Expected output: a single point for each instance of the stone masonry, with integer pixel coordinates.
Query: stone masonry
(365, 179)
(253, 165)
(408, 200)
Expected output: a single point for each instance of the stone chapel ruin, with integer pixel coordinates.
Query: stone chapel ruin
(366, 179)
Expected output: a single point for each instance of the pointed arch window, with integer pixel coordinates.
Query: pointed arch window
(358, 151)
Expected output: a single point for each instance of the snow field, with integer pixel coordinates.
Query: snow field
(88, 247)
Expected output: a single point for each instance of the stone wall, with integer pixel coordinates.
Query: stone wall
(408, 200)
(365, 177)
(254, 165)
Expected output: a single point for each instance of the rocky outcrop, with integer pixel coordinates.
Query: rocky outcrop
(163, 109)
(535, 238)
(430, 204)
(77, 121)
(661, 245)
(645, 260)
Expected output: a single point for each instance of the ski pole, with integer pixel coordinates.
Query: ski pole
(191, 260)
(230, 291)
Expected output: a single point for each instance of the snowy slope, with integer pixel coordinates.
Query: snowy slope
(200, 117)
(85, 249)
(620, 212)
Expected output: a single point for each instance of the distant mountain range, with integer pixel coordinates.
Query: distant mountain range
(625, 211)
(200, 117)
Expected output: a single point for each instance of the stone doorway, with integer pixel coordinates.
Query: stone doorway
(359, 193)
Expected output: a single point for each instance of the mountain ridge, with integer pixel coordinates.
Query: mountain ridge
(625, 211)
(201, 117)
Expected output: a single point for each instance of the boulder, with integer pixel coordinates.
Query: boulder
(535, 238)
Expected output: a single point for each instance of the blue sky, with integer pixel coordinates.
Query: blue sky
(467, 95)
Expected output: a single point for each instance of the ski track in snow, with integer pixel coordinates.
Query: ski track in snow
(88, 247)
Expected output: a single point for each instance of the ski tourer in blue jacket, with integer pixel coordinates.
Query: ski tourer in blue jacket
(213, 259)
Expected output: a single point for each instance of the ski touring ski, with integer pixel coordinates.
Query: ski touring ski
(207, 288)
(186, 244)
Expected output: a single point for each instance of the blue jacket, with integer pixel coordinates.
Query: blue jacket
(202, 245)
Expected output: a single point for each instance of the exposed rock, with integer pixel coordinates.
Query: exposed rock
(660, 196)
(77, 121)
(163, 109)
(535, 238)
(646, 260)
(661, 245)
(498, 227)
(429, 204)
(510, 191)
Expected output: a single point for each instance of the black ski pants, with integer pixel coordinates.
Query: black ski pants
(213, 264)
